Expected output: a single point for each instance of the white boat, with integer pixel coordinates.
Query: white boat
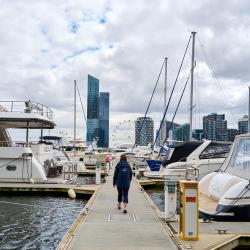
(225, 195)
(192, 160)
(18, 161)
(62, 156)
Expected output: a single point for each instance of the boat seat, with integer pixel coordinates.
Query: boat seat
(207, 204)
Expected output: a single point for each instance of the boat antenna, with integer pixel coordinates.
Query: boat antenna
(149, 102)
(192, 87)
(166, 109)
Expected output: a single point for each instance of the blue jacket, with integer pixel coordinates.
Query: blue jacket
(123, 175)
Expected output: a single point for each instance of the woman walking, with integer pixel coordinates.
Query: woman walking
(122, 178)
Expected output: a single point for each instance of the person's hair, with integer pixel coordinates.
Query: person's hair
(123, 157)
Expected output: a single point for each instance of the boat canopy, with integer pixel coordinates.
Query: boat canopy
(181, 151)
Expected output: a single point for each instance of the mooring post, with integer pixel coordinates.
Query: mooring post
(98, 173)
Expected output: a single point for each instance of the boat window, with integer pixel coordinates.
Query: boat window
(215, 150)
(11, 167)
(239, 164)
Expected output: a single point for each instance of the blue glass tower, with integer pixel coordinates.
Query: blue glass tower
(92, 109)
(103, 120)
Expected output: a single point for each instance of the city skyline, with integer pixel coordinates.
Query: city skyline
(101, 39)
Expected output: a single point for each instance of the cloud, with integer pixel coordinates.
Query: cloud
(46, 45)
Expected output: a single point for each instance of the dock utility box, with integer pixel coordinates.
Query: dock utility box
(189, 214)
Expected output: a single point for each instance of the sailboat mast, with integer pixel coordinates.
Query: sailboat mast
(249, 110)
(74, 145)
(191, 87)
(165, 82)
(164, 127)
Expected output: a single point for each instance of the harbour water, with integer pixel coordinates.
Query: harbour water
(36, 222)
(158, 198)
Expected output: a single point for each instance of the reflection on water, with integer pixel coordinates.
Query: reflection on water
(36, 222)
(158, 198)
(83, 180)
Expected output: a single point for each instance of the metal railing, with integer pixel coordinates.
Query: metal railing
(26, 107)
(9, 143)
(69, 170)
(192, 171)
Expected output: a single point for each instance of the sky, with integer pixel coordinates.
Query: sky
(46, 45)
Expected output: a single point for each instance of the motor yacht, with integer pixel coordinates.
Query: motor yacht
(192, 160)
(225, 194)
(19, 162)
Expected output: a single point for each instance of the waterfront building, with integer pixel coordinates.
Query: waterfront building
(103, 120)
(231, 134)
(198, 134)
(165, 131)
(92, 109)
(181, 133)
(215, 127)
(243, 125)
(144, 131)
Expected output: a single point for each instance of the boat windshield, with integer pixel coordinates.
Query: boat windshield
(215, 150)
(239, 163)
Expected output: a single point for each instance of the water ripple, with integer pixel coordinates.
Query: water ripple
(40, 223)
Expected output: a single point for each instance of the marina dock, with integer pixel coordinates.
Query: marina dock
(48, 188)
(106, 227)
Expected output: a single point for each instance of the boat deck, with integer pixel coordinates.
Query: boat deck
(106, 227)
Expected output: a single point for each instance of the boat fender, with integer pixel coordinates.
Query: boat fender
(71, 193)
(32, 181)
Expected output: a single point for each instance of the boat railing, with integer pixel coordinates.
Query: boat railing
(69, 170)
(192, 171)
(26, 107)
(8, 143)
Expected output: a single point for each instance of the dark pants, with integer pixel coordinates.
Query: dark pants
(122, 194)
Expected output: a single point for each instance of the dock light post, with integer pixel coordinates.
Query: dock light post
(170, 188)
(98, 173)
(27, 134)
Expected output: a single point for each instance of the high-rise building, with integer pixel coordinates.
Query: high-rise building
(144, 131)
(215, 127)
(103, 120)
(231, 132)
(166, 126)
(243, 125)
(92, 109)
(198, 134)
(181, 133)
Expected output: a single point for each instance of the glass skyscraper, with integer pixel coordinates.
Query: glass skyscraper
(92, 109)
(103, 120)
(243, 125)
(181, 133)
(215, 127)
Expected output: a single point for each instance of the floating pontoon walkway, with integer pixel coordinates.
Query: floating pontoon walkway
(106, 227)
(48, 188)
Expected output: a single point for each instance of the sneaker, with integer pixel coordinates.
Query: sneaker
(124, 211)
(118, 206)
